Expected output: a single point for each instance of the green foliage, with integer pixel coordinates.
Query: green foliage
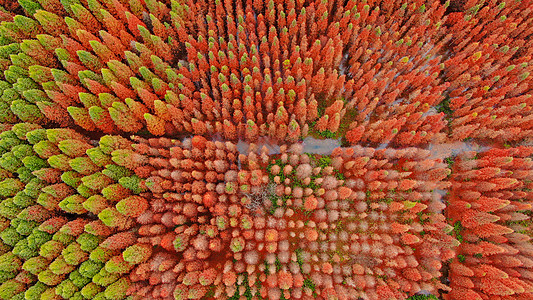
(71, 178)
(308, 283)
(10, 95)
(59, 161)
(117, 265)
(63, 237)
(90, 290)
(110, 143)
(27, 112)
(6, 115)
(22, 129)
(457, 230)
(73, 147)
(25, 175)
(13, 73)
(8, 140)
(48, 201)
(132, 183)
(9, 49)
(92, 62)
(10, 288)
(35, 95)
(4, 248)
(4, 85)
(104, 278)
(77, 296)
(450, 161)
(5, 276)
(73, 255)
(278, 264)
(83, 165)
(99, 157)
(96, 204)
(57, 135)
(62, 76)
(181, 242)
(328, 134)
(23, 250)
(49, 293)
(51, 249)
(35, 291)
(26, 227)
(22, 200)
(34, 187)
(110, 217)
(10, 187)
(10, 263)
(39, 73)
(36, 264)
(88, 74)
(89, 268)
(9, 209)
(30, 6)
(422, 297)
(34, 163)
(248, 291)
(60, 267)
(117, 290)
(22, 150)
(137, 253)
(444, 106)
(88, 242)
(10, 236)
(116, 172)
(96, 181)
(10, 162)
(66, 289)
(45, 148)
(24, 84)
(73, 204)
(113, 192)
(85, 191)
(101, 254)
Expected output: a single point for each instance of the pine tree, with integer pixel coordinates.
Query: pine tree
(102, 119)
(132, 206)
(155, 125)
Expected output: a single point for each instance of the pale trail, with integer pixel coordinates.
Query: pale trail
(326, 147)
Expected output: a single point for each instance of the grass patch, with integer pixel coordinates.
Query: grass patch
(444, 106)
(422, 297)
(247, 293)
(457, 229)
(308, 283)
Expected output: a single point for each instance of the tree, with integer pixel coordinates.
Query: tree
(137, 253)
(118, 289)
(132, 206)
(155, 124)
(119, 241)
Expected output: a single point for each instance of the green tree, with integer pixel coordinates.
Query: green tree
(117, 290)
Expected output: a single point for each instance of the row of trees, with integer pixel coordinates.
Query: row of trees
(489, 71)
(67, 216)
(490, 209)
(362, 222)
(372, 72)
